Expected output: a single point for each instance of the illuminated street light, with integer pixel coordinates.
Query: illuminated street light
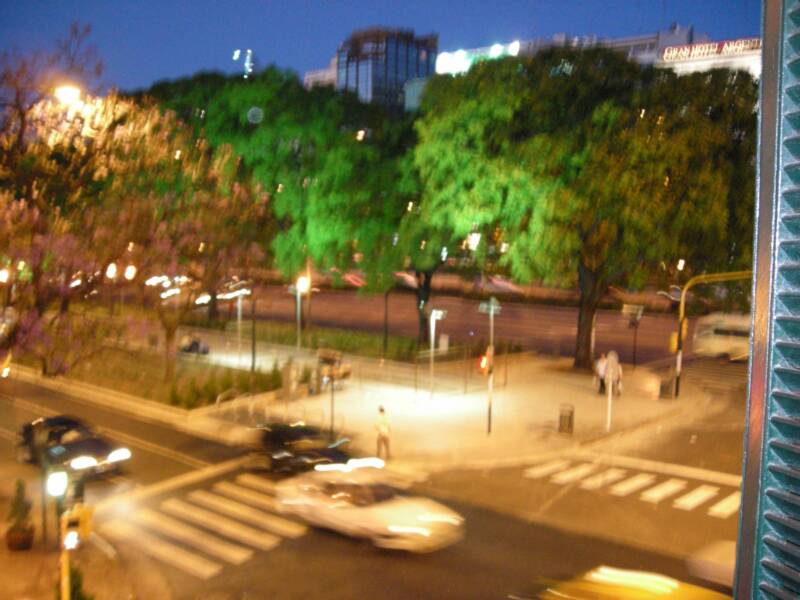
(3, 275)
(681, 264)
(130, 272)
(68, 95)
(111, 271)
(57, 483)
(303, 283)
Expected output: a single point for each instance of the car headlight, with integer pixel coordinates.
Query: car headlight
(82, 462)
(119, 454)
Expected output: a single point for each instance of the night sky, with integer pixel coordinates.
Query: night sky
(142, 41)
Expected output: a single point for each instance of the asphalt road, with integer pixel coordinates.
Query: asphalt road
(499, 555)
(549, 329)
(158, 451)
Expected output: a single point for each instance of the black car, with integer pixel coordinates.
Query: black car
(193, 345)
(71, 444)
(295, 447)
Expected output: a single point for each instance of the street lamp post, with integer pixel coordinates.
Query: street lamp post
(492, 307)
(301, 287)
(436, 314)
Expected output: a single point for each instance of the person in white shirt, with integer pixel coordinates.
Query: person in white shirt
(600, 372)
(382, 427)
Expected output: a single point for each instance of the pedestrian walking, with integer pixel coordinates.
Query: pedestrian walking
(600, 372)
(382, 427)
(613, 374)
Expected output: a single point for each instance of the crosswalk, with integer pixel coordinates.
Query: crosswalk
(681, 493)
(202, 530)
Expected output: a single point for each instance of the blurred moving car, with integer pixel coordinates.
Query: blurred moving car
(359, 503)
(723, 335)
(71, 444)
(609, 583)
(193, 345)
(296, 447)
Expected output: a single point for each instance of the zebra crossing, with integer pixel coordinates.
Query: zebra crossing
(654, 486)
(201, 530)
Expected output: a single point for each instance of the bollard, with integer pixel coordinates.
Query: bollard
(566, 418)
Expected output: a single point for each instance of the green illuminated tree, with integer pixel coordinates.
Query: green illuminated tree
(585, 165)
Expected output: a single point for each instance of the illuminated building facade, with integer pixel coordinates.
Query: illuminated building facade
(376, 63)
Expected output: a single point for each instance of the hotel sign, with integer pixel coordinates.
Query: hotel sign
(710, 49)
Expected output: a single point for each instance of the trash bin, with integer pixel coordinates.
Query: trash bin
(667, 388)
(566, 418)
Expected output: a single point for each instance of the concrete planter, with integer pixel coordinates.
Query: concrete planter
(19, 538)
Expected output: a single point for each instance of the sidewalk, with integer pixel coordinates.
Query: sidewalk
(446, 430)
(33, 574)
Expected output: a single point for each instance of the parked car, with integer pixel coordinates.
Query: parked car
(619, 584)
(193, 345)
(296, 447)
(360, 503)
(71, 444)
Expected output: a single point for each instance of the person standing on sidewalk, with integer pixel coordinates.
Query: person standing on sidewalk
(382, 426)
(600, 371)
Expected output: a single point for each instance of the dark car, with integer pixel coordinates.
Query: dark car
(193, 345)
(69, 443)
(295, 447)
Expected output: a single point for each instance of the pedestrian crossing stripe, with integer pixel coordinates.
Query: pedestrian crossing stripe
(164, 551)
(696, 497)
(546, 469)
(186, 533)
(258, 483)
(574, 473)
(727, 506)
(227, 527)
(663, 490)
(272, 523)
(632, 484)
(618, 482)
(239, 493)
(603, 479)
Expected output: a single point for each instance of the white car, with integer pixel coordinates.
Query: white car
(361, 504)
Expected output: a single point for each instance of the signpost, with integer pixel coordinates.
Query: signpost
(634, 313)
(492, 307)
(436, 315)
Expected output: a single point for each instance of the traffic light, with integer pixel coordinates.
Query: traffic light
(76, 526)
(486, 362)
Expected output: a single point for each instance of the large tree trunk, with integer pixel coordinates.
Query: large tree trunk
(213, 307)
(169, 351)
(423, 297)
(592, 290)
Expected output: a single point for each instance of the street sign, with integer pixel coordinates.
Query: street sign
(491, 307)
(438, 314)
(633, 312)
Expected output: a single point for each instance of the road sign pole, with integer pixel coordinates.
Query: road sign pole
(490, 383)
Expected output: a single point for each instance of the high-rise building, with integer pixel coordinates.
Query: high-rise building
(375, 63)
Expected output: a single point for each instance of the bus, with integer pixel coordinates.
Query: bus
(723, 335)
